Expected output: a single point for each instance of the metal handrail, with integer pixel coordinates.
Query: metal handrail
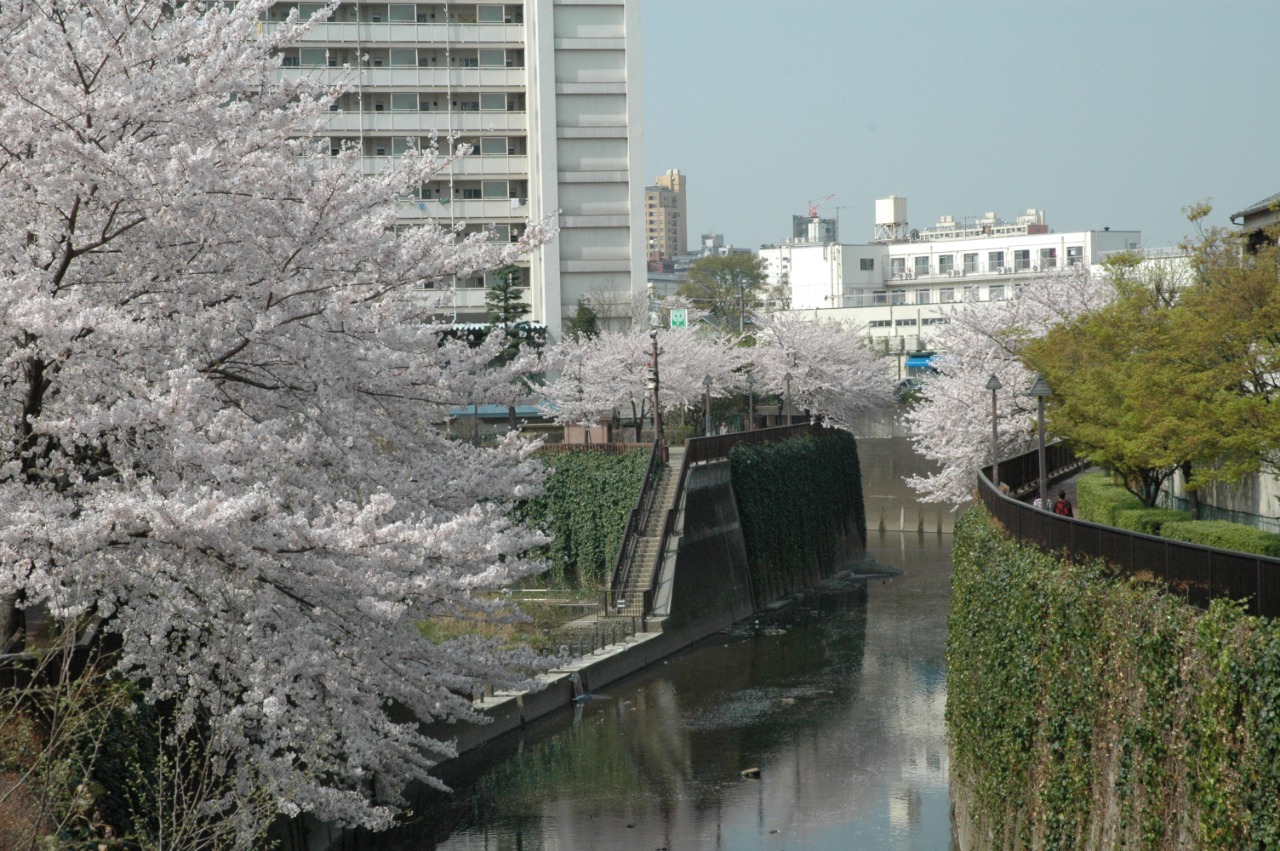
(1197, 573)
(715, 448)
(635, 519)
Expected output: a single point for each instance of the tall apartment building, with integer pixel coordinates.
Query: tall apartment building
(546, 92)
(666, 221)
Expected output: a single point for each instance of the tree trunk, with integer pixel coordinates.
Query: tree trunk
(1192, 495)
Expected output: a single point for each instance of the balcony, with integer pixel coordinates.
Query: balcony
(425, 123)
(471, 166)
(352, 33)
(479, 210)
(410, 77)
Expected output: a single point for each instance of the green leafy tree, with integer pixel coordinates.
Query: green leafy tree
(1174, 375)
(730, 287)
(584, 324)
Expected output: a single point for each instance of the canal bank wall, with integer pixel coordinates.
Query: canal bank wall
(1086, 712)
(703, 587)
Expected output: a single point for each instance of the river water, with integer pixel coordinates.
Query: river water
(838, 703)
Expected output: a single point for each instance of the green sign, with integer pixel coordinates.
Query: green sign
(679, 317)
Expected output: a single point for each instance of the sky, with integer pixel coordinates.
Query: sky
(1102, 113)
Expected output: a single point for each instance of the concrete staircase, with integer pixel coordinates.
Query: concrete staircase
(646, 555)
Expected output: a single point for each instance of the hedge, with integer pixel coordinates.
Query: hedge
(798, 501)
(1224, 536)
(584, 508)
(1148, 521)
(1099, 499)
(1085, 712)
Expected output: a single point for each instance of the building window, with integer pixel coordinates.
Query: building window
(935, 320)
(1022, 260)
(494, 189)
(400, 13)
(946, 295)
(493, 102)
(971, 263)
(946, 264)
(898, 266)
(490, 58)
(922, 296)
(1048, 258)
(404, 57)
(1075, 255)
(867, 264)
(922, 267)
(471, 194)
(996, 292)
(404, 101)
(489, 14)
(315, 56)
(995, 260)
(898, 297)
(905, 323)
(879, 323)
(493, 146)
(970, 293)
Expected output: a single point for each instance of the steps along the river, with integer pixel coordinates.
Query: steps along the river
(646, 555)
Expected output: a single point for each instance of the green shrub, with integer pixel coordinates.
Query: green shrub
(797, 500)
(1080, 706)
(1148, 520)
(588, 497)
(1224, 536)
(1099, 499)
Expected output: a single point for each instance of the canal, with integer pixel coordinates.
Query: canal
(838, 703)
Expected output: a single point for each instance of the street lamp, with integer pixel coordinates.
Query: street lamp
(653, 385)
(751, 402)
(1040, 389)
(786, 399)
(993, 384)
(706, 383)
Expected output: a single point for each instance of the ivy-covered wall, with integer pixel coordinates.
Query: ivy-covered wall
(585, 506)
(1086, 712)
(800, 505)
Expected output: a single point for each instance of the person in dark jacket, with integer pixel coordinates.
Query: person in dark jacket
(1063, 505)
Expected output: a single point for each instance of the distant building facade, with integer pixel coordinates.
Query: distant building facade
(904, 282)
(543, 92)
(666, 219)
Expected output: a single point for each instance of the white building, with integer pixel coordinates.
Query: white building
(548, 94)
(903, 282)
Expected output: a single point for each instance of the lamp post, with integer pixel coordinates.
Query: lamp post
(786, 399)
(706, 384)
(653, 385)
(1040, 389)
(993, 384)
(751, 402)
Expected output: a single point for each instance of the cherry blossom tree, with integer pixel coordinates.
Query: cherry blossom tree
(951, 425)
(834, 373)
(609, 372)
(219, 374)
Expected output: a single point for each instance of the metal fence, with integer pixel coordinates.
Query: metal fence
(1196, 573)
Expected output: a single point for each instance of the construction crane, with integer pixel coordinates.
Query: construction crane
(814, 205)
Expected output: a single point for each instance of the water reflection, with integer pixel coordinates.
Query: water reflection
(840, 704)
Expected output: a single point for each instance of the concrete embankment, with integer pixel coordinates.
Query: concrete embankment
(703, 587)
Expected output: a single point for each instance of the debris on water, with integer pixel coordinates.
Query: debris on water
(586, 696)
(750, 773)
(787, 701)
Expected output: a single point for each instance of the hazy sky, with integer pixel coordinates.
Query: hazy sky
(1100, 112)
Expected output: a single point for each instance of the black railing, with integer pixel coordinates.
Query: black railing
(716, 448)
(1196, 573)
(635, 521)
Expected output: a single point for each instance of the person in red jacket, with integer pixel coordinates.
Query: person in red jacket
(1062, 506)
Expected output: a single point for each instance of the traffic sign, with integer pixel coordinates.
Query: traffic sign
(679, 317)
